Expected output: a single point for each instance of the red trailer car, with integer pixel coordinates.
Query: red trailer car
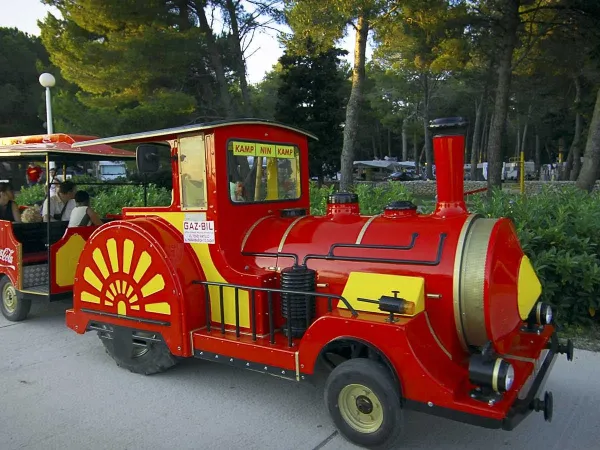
(38, 260)
(434, 312)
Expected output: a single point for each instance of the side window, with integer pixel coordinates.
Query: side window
(192, 169)
(263, 171)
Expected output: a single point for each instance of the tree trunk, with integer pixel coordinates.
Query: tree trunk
(239, 56)
(353, 107)
(476, 138)
(510, 22)
(389, 142)
(404, 141)
(591, 166)
(524, 140)
(416, 154)
(428, 143)
(215, 59)
(538, 156)
(576, 145)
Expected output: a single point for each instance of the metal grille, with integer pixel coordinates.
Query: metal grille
(35, 275)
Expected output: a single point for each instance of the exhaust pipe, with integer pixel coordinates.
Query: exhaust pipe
(448, 135)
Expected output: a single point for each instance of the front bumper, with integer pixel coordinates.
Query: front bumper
(525, 402)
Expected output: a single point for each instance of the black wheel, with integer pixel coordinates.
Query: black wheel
(138, 351)
(364, 403)
(14, 306)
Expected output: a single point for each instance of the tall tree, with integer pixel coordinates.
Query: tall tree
(22, 59)
(427, 39)
(326, 22)
(312, 95)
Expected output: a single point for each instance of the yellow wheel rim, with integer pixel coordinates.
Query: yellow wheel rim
(9, 298)
(360, 408)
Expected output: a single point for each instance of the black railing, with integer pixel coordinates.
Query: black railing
(270, 291)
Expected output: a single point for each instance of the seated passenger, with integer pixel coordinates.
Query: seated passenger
(83, 215)
(236, 191)
(8, 208)
(61, 204)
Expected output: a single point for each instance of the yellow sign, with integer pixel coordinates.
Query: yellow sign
(244, 148)
(241, 148)
(285, 151)
(267, 150)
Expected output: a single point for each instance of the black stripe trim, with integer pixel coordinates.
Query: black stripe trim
(134, 319)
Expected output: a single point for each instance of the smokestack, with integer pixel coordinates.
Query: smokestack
(448, 136)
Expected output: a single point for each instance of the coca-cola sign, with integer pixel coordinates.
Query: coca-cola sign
(7, 256)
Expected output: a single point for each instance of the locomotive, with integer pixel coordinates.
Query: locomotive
(436, 312)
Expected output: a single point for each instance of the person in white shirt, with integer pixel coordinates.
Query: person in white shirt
(83, 215)
(61, 204)
(55, 181)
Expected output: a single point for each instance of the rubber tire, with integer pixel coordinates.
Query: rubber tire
(376, 377)
(158, 358)
(23, 304)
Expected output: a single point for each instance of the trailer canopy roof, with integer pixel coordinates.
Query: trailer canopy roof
(59, 148)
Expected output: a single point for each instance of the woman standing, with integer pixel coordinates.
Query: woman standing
(8, 208)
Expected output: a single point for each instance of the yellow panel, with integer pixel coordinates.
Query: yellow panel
(244, 148)
(212, 274)
(99, 260)
(111, 245)
(159, 308)
(286, 151)
(91, 278)
(67, 258)
(373, 285)
(156, 284)
(272, 187)
(529, 288)
(267, 150)
(142, 266)
(127, 255)
(89, 298)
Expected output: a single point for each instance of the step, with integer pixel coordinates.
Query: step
(260, 355)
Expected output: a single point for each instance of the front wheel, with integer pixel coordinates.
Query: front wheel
(137, 351)
(14, 307)
(364, 403)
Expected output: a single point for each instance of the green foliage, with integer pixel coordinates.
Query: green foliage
(106, 199)
(372, 200)
(21, 95)
(312, 95)
(559, 230)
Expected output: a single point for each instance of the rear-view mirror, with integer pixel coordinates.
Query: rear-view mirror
(146, 158)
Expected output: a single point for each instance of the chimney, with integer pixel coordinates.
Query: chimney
(448, 135)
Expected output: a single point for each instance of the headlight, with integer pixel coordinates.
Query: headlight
(543, 313)
(492, 373)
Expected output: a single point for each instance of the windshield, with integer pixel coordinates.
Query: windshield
(263, 171)
(112, 170)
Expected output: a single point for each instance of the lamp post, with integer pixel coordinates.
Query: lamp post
(48, 81)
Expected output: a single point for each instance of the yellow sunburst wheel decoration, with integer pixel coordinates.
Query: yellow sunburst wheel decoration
(120, 284)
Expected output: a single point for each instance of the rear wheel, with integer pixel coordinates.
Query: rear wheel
(137, 351)
(14, 307)
(364, 403)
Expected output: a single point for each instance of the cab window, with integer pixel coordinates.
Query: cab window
(192, 166)
(263, 171)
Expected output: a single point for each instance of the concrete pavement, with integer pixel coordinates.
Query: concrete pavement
(60, 390)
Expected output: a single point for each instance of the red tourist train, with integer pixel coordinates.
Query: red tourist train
(437, 312)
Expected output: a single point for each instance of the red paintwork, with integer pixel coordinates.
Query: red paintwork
(170, 258)
(10, 253)
(449, 162)
(426, 372)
